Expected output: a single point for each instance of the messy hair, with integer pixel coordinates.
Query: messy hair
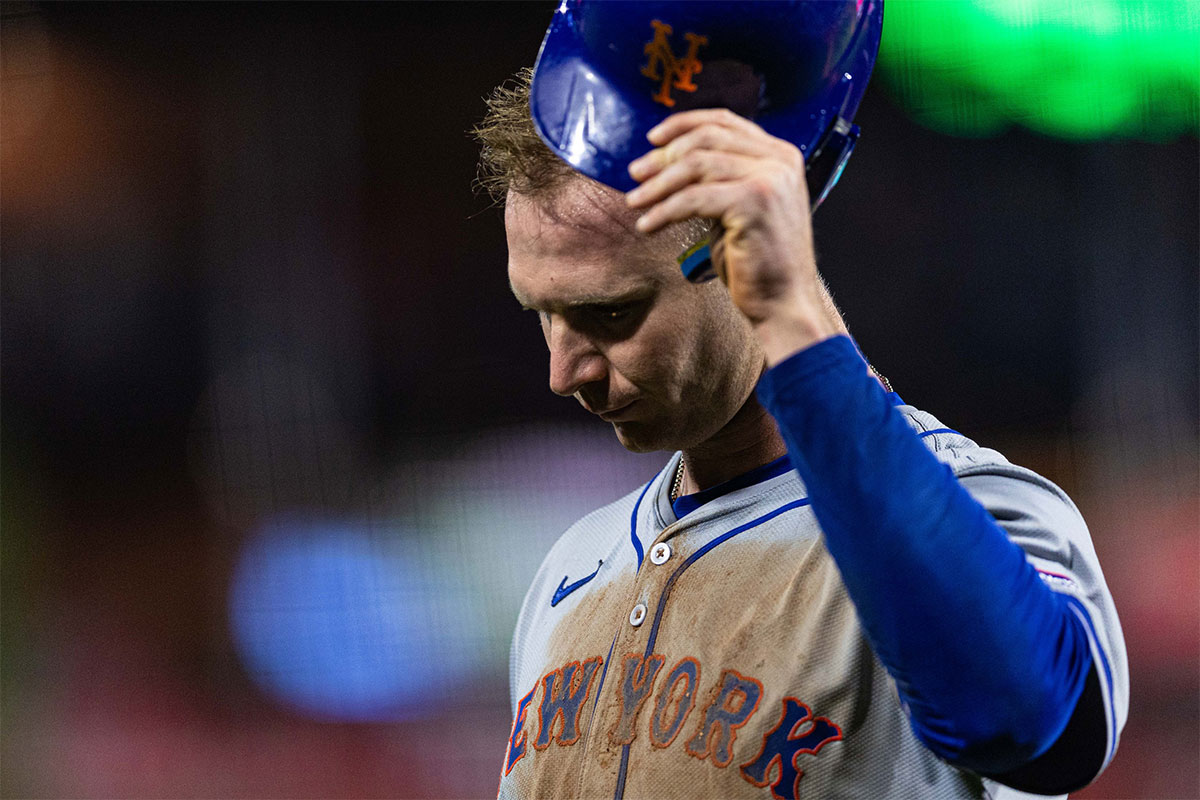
(512, 156)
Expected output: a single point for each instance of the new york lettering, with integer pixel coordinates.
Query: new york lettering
(637, 679)
(783, 745)
(736, 701)
(563, 693)
(669, 698)
(675, 702)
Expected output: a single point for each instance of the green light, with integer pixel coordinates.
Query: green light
(1076, 69)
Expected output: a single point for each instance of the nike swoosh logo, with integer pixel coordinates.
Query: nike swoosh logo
(563, 589)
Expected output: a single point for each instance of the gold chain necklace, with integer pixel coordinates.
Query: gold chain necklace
(886, 383)
(678, 483)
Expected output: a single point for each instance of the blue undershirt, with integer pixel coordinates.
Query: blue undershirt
(686, 504)
(988, 661)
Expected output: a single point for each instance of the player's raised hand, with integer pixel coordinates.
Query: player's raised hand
(712, 163)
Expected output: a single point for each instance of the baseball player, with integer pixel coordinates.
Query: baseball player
(824, 592)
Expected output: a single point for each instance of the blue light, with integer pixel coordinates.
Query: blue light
(333, 622)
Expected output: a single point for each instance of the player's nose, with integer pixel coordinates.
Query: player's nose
(574, 360)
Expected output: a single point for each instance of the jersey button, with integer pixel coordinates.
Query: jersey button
(660, 553)
(638, 615)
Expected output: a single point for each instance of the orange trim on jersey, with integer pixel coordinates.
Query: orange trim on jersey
(557, 680)
(706, 727)
(668, 691)
(515, 741)
(642, 667)
(775, 764)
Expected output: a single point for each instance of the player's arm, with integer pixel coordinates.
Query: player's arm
(993, 667)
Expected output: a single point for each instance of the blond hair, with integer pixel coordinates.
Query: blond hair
(512, 157)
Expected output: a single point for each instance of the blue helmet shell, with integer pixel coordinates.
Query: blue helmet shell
(610, 70)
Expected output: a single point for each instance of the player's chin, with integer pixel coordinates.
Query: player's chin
(642, 437)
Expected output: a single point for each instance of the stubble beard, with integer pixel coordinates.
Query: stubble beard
(677, 431)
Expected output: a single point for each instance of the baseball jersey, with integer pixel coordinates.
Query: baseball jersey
(719, 655)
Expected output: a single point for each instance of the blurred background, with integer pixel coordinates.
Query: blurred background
(279, 458)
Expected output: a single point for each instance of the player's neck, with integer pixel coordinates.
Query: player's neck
(749, 440)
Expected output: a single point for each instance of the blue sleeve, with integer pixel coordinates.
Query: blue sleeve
(988, 661)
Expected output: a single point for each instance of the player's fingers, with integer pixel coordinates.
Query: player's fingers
(709, 200)
(697, 166)
(714, 137)
(678, 124)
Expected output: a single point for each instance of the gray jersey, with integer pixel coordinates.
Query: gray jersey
(720, 656)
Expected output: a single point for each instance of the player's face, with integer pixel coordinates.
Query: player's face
(666, 362)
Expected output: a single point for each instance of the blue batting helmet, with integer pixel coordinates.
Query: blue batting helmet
(610, 70)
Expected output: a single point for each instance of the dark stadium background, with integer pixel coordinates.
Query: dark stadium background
(249, 298)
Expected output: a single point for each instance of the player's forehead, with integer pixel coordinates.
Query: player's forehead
(579, 242)
(577, 215)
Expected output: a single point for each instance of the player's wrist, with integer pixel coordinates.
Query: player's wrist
(790, 328)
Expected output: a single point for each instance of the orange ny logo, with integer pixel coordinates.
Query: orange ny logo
(663, 66)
